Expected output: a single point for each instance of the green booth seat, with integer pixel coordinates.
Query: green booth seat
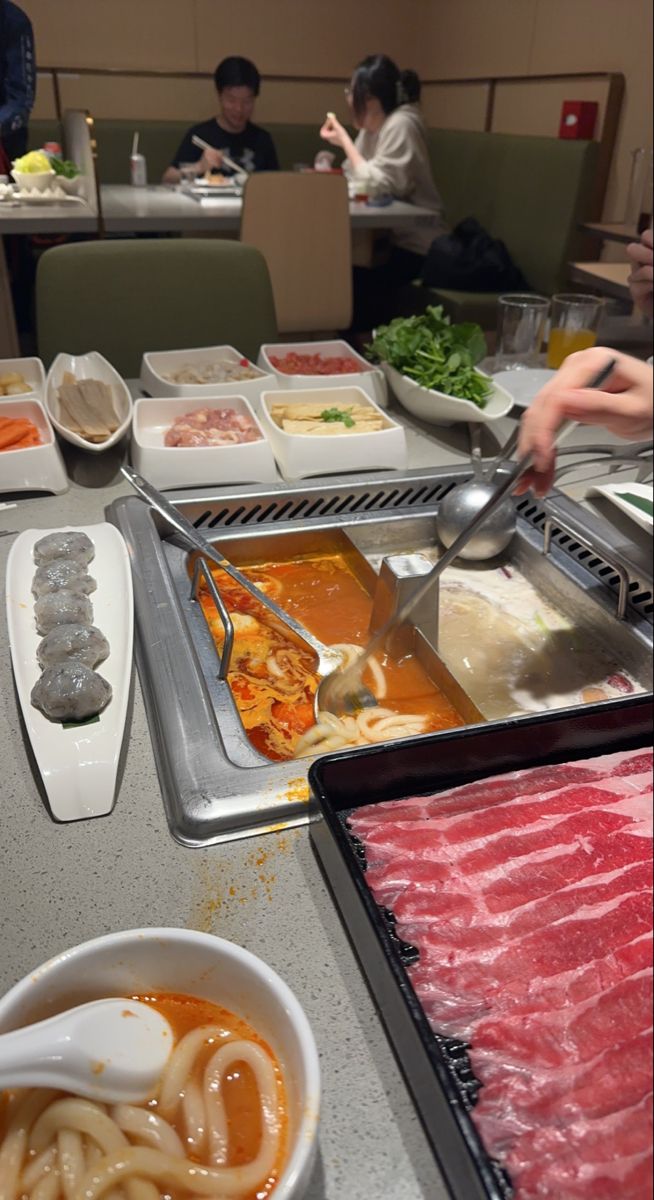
(531, 192)
(159, 141)
(126, 297)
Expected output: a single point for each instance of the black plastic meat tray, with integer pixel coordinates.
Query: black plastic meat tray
(437, 1069)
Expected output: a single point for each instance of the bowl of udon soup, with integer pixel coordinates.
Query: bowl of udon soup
(235, 1112)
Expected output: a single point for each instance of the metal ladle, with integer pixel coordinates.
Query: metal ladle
(342, 692)
(458, 508)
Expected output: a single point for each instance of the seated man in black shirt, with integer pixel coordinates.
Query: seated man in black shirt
(237, 83)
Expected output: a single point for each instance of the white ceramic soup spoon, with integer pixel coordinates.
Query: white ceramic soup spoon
(109, 1050)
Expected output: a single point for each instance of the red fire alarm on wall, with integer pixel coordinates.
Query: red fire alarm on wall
(578, 119)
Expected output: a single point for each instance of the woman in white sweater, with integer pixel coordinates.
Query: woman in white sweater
(389, 157)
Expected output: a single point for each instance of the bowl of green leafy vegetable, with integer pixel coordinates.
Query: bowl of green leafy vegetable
(431, 366)
(68, 175)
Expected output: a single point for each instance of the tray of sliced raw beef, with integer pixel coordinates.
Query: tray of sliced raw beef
(496, 883)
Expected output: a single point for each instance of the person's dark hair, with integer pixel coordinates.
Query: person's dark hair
(235, 72)
(376, 76)
(411, 86)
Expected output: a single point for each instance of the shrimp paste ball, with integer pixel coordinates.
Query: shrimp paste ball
(72, 643)
(62, 573)
(62, 608)
(71, 692)
(64, 545)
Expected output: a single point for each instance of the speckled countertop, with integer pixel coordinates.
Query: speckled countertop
(62, 884)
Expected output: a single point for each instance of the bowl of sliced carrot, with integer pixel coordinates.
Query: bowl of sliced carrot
(30, 459)
(17, 433)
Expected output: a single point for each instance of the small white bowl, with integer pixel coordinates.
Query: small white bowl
(142, 961)
(36, 468)
(300, 455)
(72, 187)
(88, 366)
(439, 409)
(370, 378)
(33, 372)
(188, 466)
(156, 363)
(40, 181)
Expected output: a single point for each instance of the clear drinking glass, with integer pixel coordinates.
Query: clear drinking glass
(521, 322)
(188, 172)
(574, 323)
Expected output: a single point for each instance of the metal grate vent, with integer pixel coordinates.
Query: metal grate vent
(640, 597)
(331, 503)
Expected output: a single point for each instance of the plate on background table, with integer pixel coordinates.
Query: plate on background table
(524, 385)
(45, 198)
(78, 762)
(636, 500)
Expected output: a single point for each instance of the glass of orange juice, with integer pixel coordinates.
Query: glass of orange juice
(574, 322)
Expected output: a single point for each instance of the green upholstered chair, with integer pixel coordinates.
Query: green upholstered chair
(126, 297)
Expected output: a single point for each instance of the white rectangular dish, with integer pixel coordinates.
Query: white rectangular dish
(301, 455)
(370, 378)
(78, 763)
(189, 466)
(618, 494)
(88, 366)
(35, 468)
(33, 373)
(156, 364)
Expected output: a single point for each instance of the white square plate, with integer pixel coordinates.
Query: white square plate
(300, 455)
(369, 377)
(201, 466)
(157, 363)
(35, 468)
(33, 373)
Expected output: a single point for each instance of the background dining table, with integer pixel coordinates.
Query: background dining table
(158, 208)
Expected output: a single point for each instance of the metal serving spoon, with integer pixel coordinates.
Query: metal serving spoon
(329, 660)
(109, 1050)
(461, 504)
(341, 692)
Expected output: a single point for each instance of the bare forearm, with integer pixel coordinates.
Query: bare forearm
(172, 175)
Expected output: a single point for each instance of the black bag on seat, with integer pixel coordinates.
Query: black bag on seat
(470, 260)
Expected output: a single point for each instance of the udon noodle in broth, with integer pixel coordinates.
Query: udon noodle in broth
(217, 1126)
(273, 678)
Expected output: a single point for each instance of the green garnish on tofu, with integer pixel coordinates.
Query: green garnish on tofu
(343, 415)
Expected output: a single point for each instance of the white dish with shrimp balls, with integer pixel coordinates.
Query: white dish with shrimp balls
(78, 764)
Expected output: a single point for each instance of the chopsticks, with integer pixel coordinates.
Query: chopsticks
(229, 162)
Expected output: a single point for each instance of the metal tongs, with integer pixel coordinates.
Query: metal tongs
(329, 659)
